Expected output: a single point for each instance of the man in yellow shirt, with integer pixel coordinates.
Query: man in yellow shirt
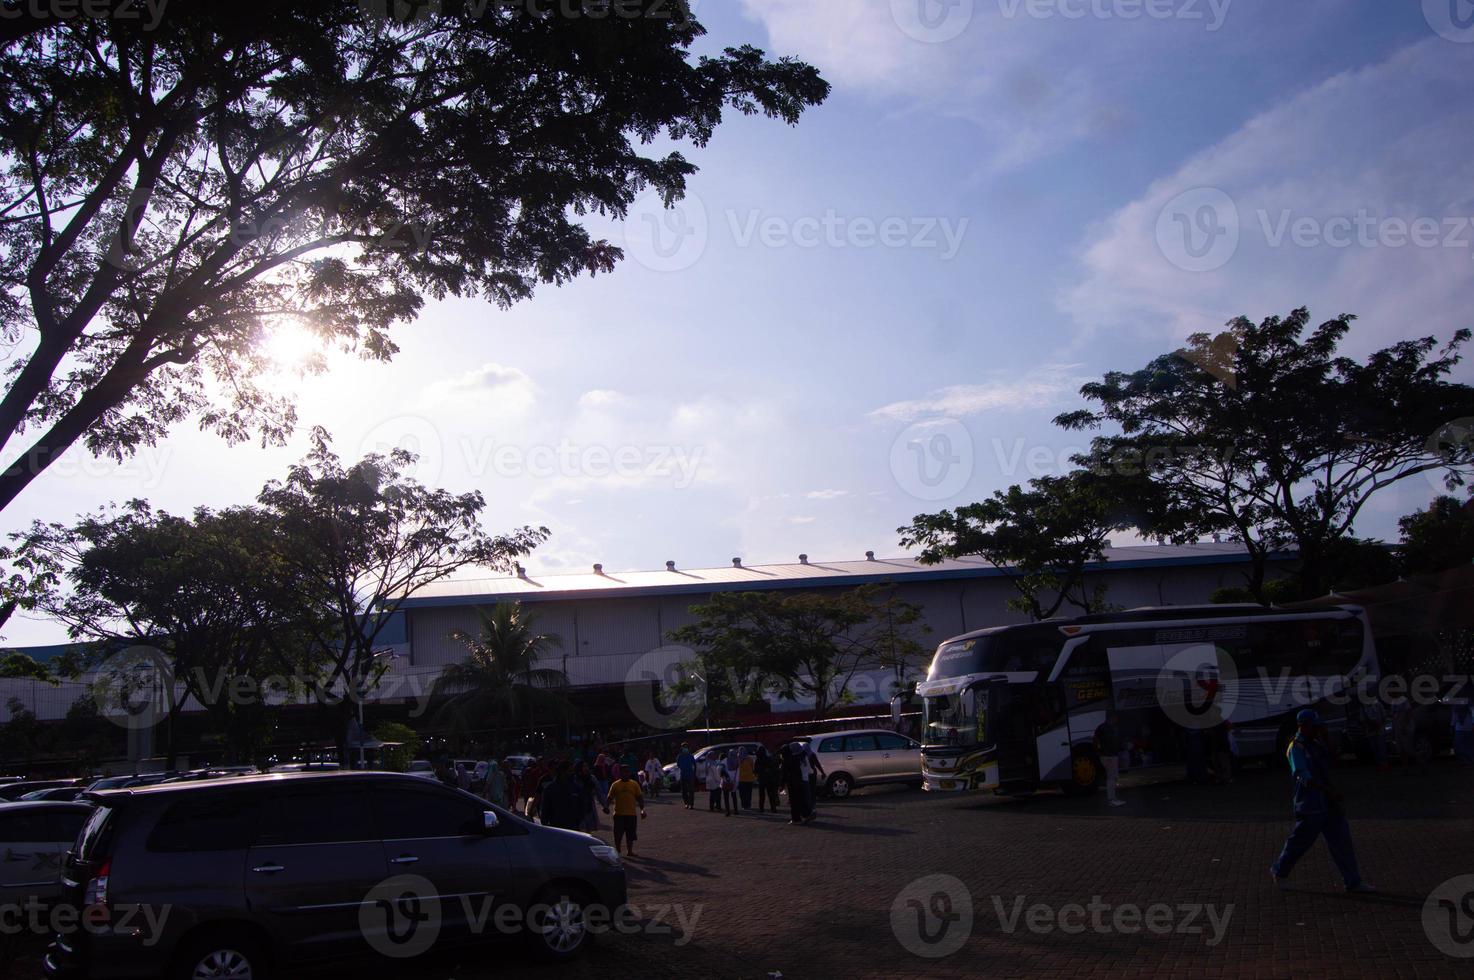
(626, 798)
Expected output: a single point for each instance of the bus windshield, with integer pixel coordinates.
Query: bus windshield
(956, 719)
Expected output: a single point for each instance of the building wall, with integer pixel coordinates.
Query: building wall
(602, 639)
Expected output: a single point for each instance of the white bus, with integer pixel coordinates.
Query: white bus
(1015, 708)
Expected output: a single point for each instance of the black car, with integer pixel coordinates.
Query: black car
(14, 791)
(266, 873)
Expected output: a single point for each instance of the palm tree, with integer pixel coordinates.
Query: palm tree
(501, 678)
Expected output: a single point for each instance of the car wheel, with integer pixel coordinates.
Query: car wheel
(840, 785)
(220, 956)
(1086, 773)
(557, 923)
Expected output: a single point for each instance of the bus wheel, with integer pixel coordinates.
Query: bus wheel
(1085, 774)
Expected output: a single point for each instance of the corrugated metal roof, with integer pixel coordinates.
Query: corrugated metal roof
(533, 587)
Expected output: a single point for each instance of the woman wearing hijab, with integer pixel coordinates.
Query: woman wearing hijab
(495, 787)
(730, 770)
(765, 767)
(746, 777)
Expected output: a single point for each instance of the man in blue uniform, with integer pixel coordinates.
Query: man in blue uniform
(1317, 807)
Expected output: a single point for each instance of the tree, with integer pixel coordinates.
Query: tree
(396, 757)
(1439, 538)
(501, 680)
(1042, 538)
(15, 664)
(363, 539)
(210, 592)
(802, 644)
(1266, 433)
(171, 193)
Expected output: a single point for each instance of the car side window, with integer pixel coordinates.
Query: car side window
(66, 825)
(892, 743)
(16, 828)
(315, 817)
(859, 743)
(831, 745)
(213, 823)
(408, 813)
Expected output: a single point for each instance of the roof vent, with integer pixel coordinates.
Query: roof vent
(736, 562)
(598, 569)
(803, 559)
(869, 556)
(670, 566)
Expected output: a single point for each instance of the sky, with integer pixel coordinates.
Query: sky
(878, 312)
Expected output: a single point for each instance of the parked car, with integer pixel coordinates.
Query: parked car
(35, 837)
(866, 758)
(15, 791)
(56, 794)
(271, 872)
(423, 768)
(122, 782)
(672, 772)
(518, 764)
(306, 767)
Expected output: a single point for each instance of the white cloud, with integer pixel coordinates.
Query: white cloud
(1039, 388)
(1377, 148)
(494, 389)
(601, 398)
(826, 494)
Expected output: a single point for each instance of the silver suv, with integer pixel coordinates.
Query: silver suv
(865, 758)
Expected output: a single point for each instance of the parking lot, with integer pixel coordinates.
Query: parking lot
(1175, 883)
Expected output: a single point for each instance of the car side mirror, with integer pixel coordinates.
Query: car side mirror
(489, 821)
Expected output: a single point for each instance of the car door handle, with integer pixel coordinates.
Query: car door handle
(404, 859)
(268, 869)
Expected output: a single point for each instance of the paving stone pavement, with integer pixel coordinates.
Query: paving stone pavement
(816, 901)
(830, 900)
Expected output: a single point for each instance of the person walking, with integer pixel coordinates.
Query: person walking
(588, 799)
(686, 766)
(1108, 748)
(730, 768)
(1463, 725)
(462, 777)
(654, 775)
(710, 769)
(562, 800)
(626, 799)
(795, 775)
(769, 775)
(814, 772)
(495, 787)
(1317, 807)
(746, 777)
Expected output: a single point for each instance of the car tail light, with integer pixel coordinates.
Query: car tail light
(96, 891)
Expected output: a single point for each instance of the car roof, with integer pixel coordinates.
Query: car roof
(855, 731)
(279, 778)
(16, 806)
